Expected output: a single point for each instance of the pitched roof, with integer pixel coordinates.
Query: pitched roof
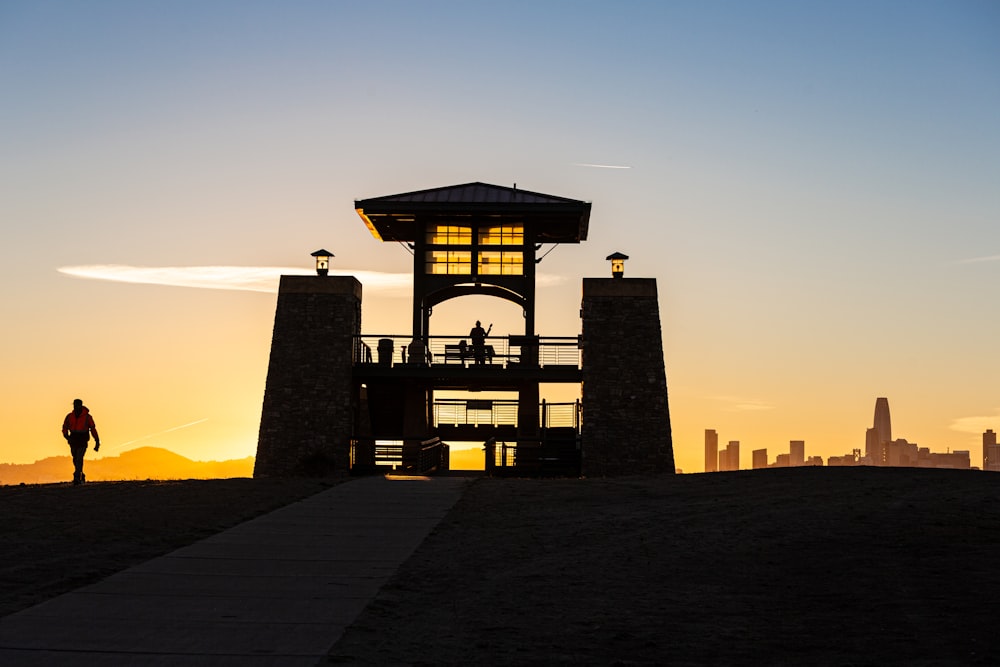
(555, 219)
(474, 193)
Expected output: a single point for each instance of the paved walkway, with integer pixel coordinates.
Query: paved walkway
(276, 590)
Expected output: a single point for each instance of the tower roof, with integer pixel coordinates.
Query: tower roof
(401, 217)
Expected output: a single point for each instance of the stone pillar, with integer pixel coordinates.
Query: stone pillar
(626, 419)
(310, 403)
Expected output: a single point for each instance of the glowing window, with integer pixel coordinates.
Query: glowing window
(502, 235)
(495, 262)
(454, 262)
(449, 235)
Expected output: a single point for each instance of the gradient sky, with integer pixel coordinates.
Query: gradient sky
(815, 186)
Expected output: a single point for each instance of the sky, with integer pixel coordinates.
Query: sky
(814, 187)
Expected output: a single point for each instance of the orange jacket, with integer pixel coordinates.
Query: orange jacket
(79, 423)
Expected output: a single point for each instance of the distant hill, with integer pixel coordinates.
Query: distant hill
(140, 463)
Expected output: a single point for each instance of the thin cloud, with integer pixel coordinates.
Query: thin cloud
(601, 166)
(976, 425)
(241, 278)
(245, 278)
(976, 260)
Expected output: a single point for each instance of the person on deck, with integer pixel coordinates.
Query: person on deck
(478, 336)
(77, 429)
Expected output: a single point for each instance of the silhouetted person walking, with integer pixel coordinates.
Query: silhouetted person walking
(77, 428)
(478, 336)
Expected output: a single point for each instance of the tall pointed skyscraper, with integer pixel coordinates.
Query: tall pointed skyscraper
(882, 431)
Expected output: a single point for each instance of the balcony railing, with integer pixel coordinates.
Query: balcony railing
(475, 412)
(502, 412)
(423, 457)
(501, 351)
(561, 415)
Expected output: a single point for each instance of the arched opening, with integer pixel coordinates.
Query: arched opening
(484, 298)
(457, 316)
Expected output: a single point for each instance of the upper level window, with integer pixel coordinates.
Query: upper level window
(449, 235)
(502, 235)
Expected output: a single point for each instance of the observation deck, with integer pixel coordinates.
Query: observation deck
(450, 363)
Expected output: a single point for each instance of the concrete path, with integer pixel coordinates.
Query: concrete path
(277, 590)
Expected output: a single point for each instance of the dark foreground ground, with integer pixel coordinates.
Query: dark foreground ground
(807, 566)
(799, 566)
(57, 537)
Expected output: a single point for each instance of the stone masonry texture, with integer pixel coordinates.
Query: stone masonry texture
(626, 418)
(309, 407)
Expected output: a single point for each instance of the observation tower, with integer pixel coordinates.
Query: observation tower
(339, 399)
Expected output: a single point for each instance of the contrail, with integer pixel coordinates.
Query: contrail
(601, 166)
(153, 435)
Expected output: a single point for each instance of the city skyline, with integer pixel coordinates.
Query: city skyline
(812, 186)
(880, 449)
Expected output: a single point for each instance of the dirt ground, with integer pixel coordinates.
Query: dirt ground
(57, 537)
(806, 566)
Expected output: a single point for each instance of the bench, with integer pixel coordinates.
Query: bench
(462, 353)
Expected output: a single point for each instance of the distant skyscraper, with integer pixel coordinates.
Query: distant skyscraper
(873, 452)
(733, 455)
(883, 424)
(797, 452)
(882, 427)
(711, 450)
(991, 451)
(759, 459)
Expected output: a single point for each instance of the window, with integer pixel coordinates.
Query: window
(454, 262)
(449, 235)
(502, 235)
(505, 263)
(499, 250)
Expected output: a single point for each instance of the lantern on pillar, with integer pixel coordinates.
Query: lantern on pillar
(322, 261)
(617, 260)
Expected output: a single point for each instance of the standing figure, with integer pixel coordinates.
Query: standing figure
(478, 336)
(77, 428)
